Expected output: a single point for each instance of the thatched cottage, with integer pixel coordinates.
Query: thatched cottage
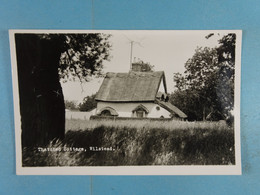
(136, 94)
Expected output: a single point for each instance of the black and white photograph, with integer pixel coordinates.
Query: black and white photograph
(127, 102)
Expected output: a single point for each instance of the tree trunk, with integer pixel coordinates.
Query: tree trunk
(204, 113)
(42, 106)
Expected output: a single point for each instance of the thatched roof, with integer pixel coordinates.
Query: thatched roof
(171, 108)
(131, 87)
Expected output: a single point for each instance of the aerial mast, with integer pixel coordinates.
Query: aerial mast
(131, 53)
(131, 49)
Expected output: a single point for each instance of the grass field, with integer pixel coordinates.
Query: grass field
(112, 143)
(75, 125)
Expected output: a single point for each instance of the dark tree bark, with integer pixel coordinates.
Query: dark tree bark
(41, 98)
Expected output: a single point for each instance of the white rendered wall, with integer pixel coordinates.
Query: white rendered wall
(125, 109)
(161, 87)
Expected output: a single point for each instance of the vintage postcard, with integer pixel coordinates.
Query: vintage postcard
(94, 102)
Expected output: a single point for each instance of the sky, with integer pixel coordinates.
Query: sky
(166, 50)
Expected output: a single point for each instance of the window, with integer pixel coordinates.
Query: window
(106, 113)
(162, 97)
(140, 111)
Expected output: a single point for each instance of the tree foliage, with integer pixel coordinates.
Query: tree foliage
(207, 85)
(82, 54)
(71, 105)
(88, 103)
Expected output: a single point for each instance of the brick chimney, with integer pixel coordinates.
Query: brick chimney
(141, 67)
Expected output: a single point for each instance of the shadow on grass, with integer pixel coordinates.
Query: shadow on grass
(115, 146)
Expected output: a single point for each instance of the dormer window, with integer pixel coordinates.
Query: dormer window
(140, 114)
(107, 111)
(140, 111)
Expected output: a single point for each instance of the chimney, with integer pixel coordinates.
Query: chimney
(136, 67)
(140, 66)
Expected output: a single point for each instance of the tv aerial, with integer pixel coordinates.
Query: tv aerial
(132, 42)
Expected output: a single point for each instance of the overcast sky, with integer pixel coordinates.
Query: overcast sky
(166, 50)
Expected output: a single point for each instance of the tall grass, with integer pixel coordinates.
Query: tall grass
(76, 124)
(139, 143)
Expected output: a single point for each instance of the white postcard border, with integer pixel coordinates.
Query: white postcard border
(128, 170)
